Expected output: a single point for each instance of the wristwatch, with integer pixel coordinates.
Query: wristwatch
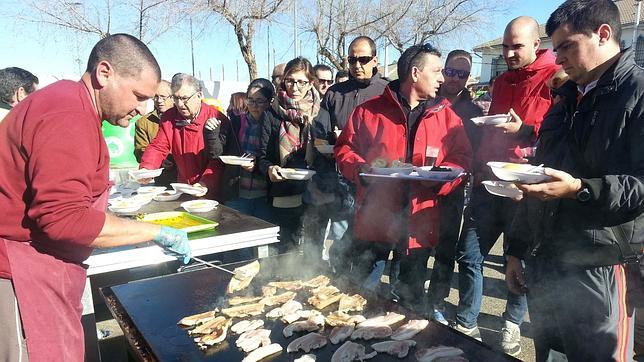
(583, 195)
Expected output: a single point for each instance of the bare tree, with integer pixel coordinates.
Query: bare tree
(436, 20)
(95, 18)
(336, 20)
(244, 16)
(156, 17)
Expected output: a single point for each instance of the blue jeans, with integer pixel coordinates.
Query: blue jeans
(486, 218)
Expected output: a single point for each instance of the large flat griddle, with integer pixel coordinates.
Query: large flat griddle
(148, 311)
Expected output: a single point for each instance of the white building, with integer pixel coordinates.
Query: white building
(491, 51)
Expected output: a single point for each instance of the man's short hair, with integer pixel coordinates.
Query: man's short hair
(128, 55)
(341, 74)
(459, 53)
(372, 44)
(181, 79)
(321, 67)
(414, 57)
(585, 17)
(11, 79)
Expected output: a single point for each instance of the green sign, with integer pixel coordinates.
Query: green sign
(120, 143)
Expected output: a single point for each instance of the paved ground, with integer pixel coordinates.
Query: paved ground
(113, 347)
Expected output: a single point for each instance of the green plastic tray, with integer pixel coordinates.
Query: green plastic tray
(180, 220)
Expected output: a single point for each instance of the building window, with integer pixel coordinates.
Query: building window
(498, 65)
(639, 51)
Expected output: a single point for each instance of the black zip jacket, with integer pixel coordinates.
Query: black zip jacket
(601, 141)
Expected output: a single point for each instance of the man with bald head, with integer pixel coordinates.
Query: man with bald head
(54, 197)
(276, 76)
(521, 91)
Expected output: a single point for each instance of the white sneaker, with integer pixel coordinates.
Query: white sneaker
(471, 332)
(511, 339)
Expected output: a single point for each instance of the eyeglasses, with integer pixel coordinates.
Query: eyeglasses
(363, 60)
(326, 81)
(451, 72)
(183, 99)
(161, 98)
(256, 102)
(300, 83)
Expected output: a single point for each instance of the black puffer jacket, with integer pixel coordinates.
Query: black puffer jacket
(600, 141)
(342, 98)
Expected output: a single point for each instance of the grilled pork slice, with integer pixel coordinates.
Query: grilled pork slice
(306, 358)
(322, 301)
(210, 326)
(438, 352)
(339, 334)
(268, 291)
(368, 333)
(278, 299)
(289, 307)
(251, 340)
(243, 276)
(387, 320)
(319, 281)
(307, 343)
(300, 314)
(409, 329)
(216, 336)
(245, 326)
(343, 319)
(325, 291)
(290, 285)
(263, 352)
(244, 310)
(398, 349)
(197, 319)
(349, 303)
(309, 325)
(243, 300)
(350, 351)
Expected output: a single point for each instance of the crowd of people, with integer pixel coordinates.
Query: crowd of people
(571, 244)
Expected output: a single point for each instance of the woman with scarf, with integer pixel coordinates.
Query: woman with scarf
(287, 142)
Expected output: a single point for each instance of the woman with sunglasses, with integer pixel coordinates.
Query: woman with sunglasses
(287, 142)
(243, 188)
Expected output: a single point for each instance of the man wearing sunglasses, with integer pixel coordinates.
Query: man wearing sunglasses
(340, 100)
(523, 92)
(401, 125)
(181, 134)
(456, 73)
(323, 78)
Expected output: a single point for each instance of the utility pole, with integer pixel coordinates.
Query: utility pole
(268, 52)
(295, 51)
(637, 24)
(192, 49)
(386, 67)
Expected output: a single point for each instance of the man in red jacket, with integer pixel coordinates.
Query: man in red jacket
(521, 91)
(400, 215)
(181, 134)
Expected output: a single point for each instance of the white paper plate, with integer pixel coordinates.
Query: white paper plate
(325, 149)
(491, 120)
(150, 190)
(236, 161)
(391, 170)
(145, 174)
(502, 188)
(298, 174)
(169, 195)
(187, 189)
(122, 205)
(518, 172)
(199, 205)
(426, 171)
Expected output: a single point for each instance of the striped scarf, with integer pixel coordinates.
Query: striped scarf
(249, 143)
(295, 128)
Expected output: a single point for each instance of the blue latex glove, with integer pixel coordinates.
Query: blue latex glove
(176, 242)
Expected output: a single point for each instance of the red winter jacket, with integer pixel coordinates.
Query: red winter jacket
(378, 128)
(187, 147)
(525, 91)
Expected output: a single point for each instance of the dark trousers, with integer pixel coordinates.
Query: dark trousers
(290, 222)
(451, 214)
(581, 313)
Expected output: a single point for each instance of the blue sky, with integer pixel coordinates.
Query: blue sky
(50, 53)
